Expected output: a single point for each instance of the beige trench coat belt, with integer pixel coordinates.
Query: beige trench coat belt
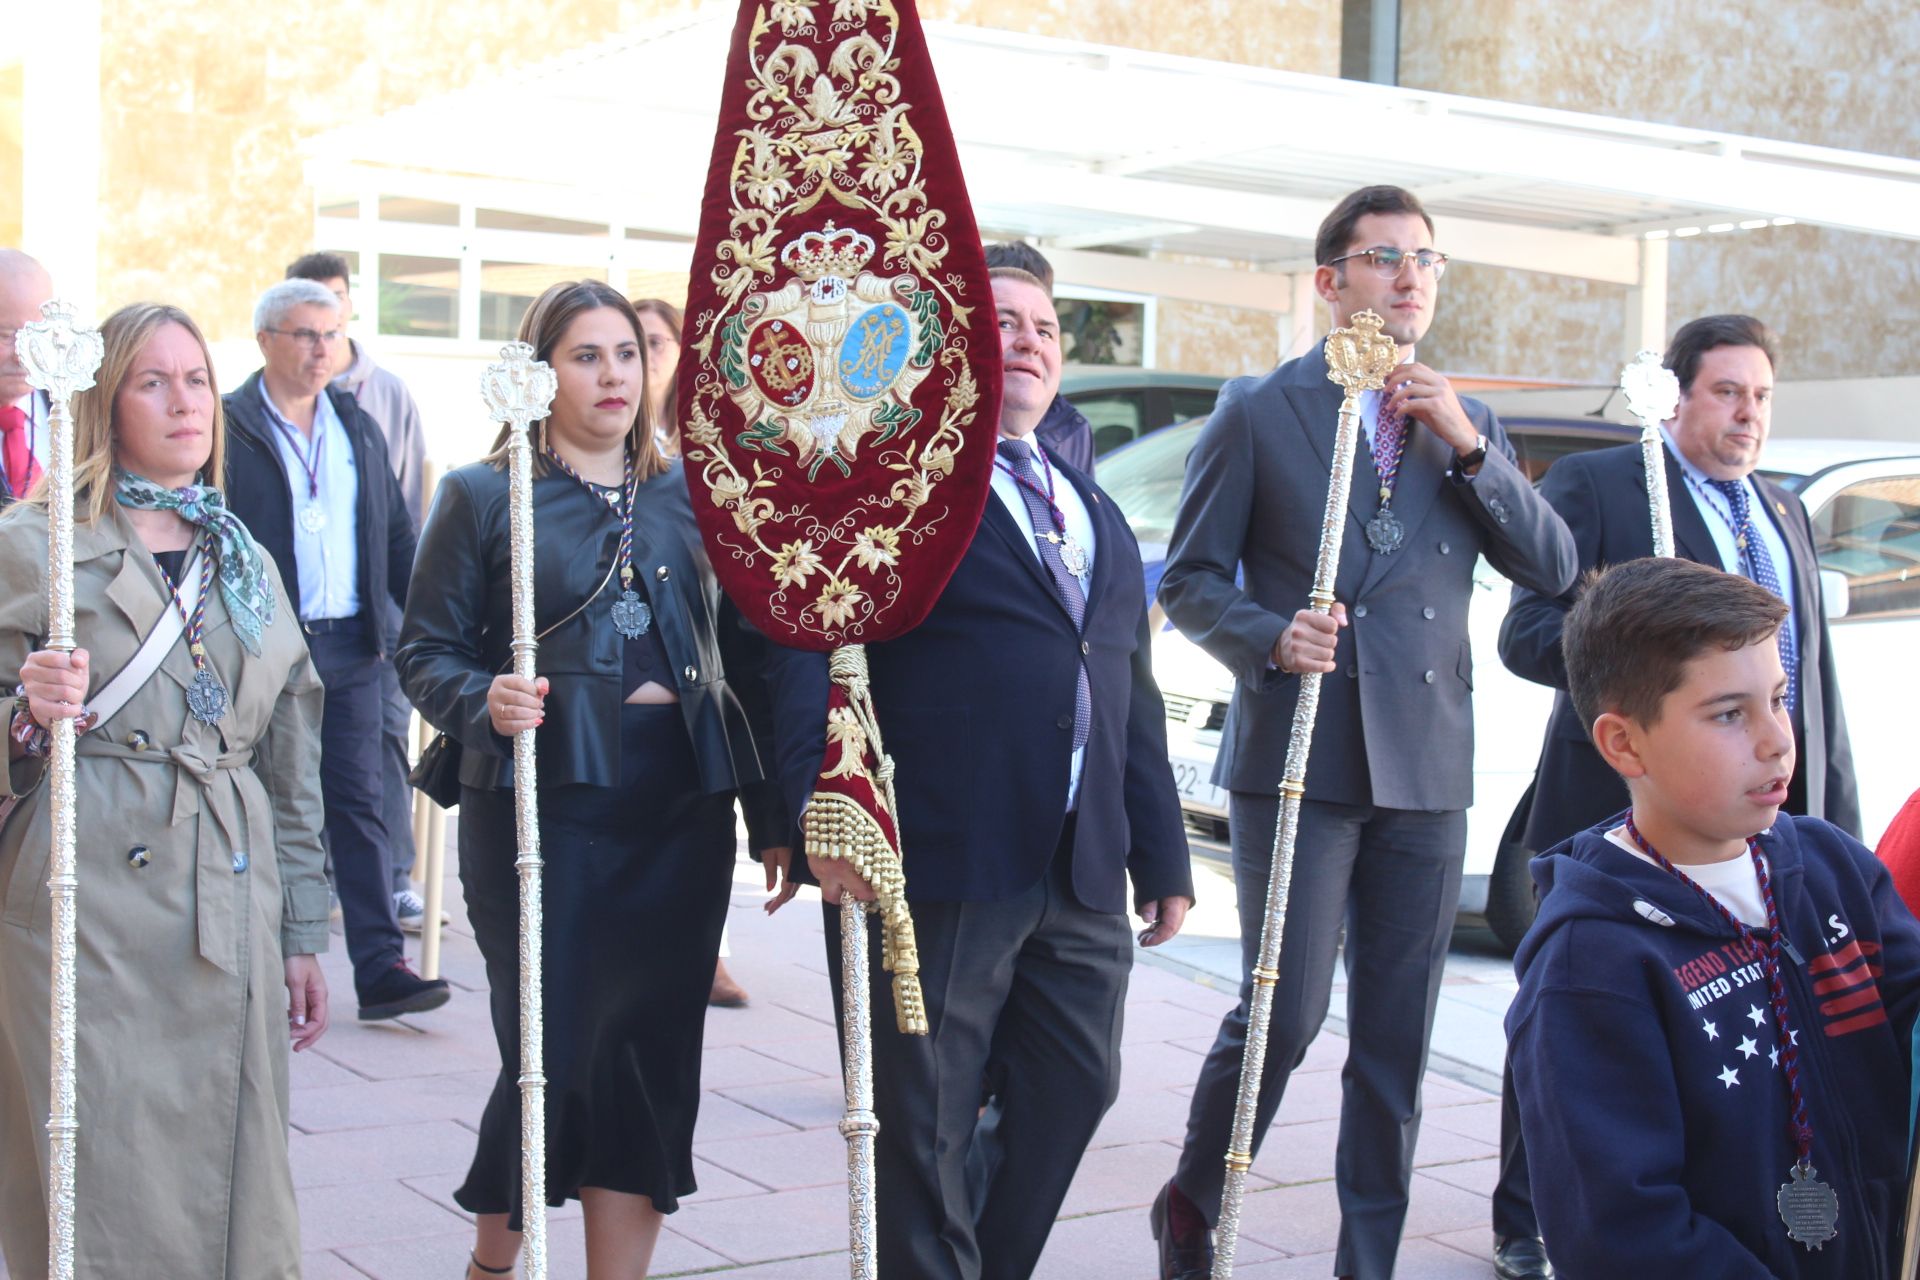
(204, 784)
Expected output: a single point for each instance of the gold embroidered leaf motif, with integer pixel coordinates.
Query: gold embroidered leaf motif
(792, 15)
(907, 243)
(761, 175)
(893, 152)
(839, 602)
(824, 101)
(844, 731)
(938, 458)
(854, 10)
(877, 547)
(794, 563)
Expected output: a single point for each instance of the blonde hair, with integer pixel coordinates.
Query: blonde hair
(542, 328)
(125, 333)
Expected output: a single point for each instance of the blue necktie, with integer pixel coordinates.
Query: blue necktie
(1756, 564)
(1019, 457)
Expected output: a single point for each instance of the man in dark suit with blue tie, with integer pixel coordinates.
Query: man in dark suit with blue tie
(1382, 830)
(1033, 784)
(1724, 514)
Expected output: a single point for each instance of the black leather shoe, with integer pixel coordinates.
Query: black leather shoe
(1521, 1258)
(402, 991)
(1179, 1259)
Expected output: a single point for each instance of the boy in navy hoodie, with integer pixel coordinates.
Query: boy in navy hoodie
(1711, 1039)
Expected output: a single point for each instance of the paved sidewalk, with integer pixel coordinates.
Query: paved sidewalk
(384, 1118)
(384, 1114)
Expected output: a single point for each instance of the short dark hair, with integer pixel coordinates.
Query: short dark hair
(1697, 337)
(1024, 257)
(1336, 231)
(1636, 626)
(319, 266)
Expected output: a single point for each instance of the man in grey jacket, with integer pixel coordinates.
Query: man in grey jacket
(388, 402)
(1383, 826)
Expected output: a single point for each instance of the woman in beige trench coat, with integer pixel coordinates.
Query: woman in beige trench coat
(201, 893)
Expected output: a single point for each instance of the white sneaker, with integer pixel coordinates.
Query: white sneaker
(412, 912)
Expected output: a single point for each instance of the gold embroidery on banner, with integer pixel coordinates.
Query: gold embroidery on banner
(820, 336)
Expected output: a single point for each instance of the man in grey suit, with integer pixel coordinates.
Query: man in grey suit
(1383, 826)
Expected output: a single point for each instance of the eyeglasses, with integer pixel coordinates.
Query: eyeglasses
(1389, 263)
(311, 337)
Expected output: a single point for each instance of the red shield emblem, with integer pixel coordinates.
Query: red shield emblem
(841, 383)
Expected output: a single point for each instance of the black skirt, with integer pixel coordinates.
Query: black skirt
(635, 888)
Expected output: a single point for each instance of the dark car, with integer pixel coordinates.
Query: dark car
(1124, 404)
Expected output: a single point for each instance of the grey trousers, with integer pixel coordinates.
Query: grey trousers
(1024, 998)
(1391, 879)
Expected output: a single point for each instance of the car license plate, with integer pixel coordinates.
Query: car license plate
(1193, 779)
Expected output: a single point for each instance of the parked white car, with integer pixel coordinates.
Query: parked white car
(1865, 500)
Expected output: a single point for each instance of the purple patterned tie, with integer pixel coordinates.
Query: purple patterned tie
(1389, 445)
(1041, 510)
(1756, 563)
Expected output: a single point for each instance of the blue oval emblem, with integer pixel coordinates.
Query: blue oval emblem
(874, 350)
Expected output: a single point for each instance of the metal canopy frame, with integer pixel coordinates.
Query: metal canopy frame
(1127, 166)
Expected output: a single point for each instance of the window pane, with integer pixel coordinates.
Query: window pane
(507, 220)
(1116, 416)
(668, 286)
(1145, 481)
(419, 297)
(409, 209)
(1190, 403)
(507, 289)
(1870, 531)
(1101, 332)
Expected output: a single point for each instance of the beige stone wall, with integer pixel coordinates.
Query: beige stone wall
(1810, 71)
(12, 97)
(1293, 35)
(203, 201)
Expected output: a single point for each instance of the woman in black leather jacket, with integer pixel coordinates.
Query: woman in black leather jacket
(650, 681)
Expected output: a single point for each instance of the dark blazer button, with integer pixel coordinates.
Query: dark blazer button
(1353, 671)
(1445, 549)
(1427, 613)
(138, 857)
(661, 573)
(1428, 677)
(691, 673)
(1498, 507)
(1064, 722)
(1359, 611)
(1085, 648)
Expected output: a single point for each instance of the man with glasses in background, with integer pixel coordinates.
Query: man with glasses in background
(1383, 825)
(307, 471)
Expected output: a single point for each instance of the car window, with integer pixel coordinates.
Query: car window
(1145, 481)
(1537, 450)
(1190, 402)
(1870, 531)
(1116, 417)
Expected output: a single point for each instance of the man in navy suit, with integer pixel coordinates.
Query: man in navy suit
(1033, 783)
(1724, 514)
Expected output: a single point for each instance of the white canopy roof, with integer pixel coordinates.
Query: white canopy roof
(1087, 147)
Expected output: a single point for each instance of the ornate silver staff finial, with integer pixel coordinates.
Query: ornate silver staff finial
(1652, 392)
(61, 357)
(1653, 395)
(518, 388)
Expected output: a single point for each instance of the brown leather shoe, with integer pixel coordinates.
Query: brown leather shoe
(726, 993)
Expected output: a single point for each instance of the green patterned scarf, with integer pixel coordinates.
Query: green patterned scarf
(243, 572)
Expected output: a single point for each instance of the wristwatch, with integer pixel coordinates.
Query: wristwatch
(1462, 461)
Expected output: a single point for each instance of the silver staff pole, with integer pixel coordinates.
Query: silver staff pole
(1653, 393)
(60, 358)
(518, 389)
(1358, 358)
